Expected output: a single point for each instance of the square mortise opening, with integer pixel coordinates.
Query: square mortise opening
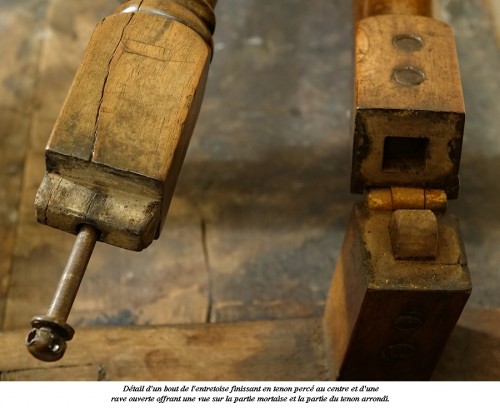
(404, 153)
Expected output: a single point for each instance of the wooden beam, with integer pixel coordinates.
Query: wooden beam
(18, 82)
(285, 350)
(265, 350)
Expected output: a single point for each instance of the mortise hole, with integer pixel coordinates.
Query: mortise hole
(404, 154)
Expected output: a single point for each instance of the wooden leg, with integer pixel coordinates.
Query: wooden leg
(389, 319)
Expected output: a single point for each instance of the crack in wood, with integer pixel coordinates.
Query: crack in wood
(96, 126)
(206, 259)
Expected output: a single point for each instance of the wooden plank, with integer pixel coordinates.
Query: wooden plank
(23, 21)
(117, 146)
(254, 351)
(268, 169)
(268, 351)
(387, 319)
(472, 353)
(479, 198)
(13, 133)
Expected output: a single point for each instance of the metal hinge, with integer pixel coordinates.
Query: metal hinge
(406, 198)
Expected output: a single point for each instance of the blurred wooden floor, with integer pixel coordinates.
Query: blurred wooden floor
(259, 213)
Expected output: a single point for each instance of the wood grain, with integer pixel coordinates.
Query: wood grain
(387, 319)
(283, 350)
(367, 8)
(166, 283)
(273, 209)
(117, 147)
(266, 351)
(23, 21)
(406, 133)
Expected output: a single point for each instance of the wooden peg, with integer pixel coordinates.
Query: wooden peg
(414, 234)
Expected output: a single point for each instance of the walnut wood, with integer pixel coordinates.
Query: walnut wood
(118, 145)
(406, 133)
(213, 3)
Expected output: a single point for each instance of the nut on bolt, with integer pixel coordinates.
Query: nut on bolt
(47, 339)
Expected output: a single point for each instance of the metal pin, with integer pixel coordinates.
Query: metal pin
(47, 338)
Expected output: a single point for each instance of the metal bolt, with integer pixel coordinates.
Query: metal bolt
(409, 75)
(408, 42)
(399, 353)
(409, 321)
(47, 339)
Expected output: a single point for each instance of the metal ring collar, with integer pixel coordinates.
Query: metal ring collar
(204, 27)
